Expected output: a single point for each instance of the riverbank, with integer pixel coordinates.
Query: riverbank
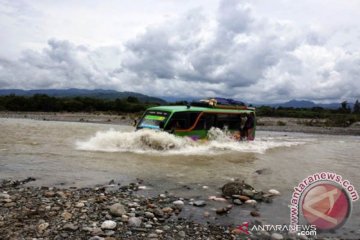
(302, 125)
(114, 211)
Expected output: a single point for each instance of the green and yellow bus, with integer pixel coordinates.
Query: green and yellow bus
(196, 121)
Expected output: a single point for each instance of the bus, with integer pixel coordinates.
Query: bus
(196, 121)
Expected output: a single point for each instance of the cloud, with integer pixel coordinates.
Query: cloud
(237, 53)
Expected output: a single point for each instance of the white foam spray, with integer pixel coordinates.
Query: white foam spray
(158, 142)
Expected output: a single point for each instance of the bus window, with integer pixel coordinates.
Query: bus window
(153, 119)
(229, 121)
(182, 120)
(206, 122)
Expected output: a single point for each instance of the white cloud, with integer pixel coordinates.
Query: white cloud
(242, 51)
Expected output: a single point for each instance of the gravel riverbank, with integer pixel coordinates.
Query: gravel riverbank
(263, 123)
(114, 211)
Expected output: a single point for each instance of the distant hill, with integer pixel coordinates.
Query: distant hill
(306, 104)
(75, 92)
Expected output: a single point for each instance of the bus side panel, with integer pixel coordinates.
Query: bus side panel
(196, 134)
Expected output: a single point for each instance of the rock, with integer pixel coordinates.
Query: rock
(149, 215)
(167, 210)
(248, 192)
(80, 205)
(237, 202)
(243, 198)
(117, 210)
(134, 222)
(235, 188)
(124, 218)
(4, 195)
(206, 214)
(70, 227)
(199, 203)
(152, 235)
(218, 199)
(224, 209)
(97, 231)
(276, 236)
(148, 226)
(10, 204)
(108, 224)
(49, 194)
(251, 202)
(274, 192)
(166, 227)
(159, 231)
(255, 214)
(61, 194)
(96, 238)
(178, 204)
(41, 227)
(182, 234)
(66, 215)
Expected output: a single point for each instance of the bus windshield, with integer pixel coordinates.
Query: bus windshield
(153, 119)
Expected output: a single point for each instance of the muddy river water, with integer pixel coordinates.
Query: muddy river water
(85, 154)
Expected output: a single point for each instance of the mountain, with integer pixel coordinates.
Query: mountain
(75, 92)
(305, 104)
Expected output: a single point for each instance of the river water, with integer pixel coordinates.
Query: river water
(85, 154)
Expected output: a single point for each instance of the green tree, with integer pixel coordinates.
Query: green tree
(356, 108)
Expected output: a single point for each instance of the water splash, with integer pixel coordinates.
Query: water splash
(149, 141)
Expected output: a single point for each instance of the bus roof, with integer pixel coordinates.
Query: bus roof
(199, 109)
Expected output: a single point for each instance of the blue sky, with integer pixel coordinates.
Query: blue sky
(259, 51)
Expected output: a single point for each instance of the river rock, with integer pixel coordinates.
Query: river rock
(241, 197)
(274, 192)
(41, 227)
(167, 210)
(182, 234)
(80, 205)
(117, 210)
(235, 188)
(70, 227)
(108, 224)
(218, 199)
(251, 202)
(49, 194)
(200, 203)
(276, 236)
(4, 195)
(237, 202)
(178, 204)
(149, 215)
(248, 192)
(134, 222)
(255, 213)
(66, 215)
(96, 238)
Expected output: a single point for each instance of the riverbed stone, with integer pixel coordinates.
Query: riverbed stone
(70, 227)
(149, 215)
(108, 224)
(237, 202)
(117, 210)
(200, 203)
(276, 236)
(178, 204)
(134, 222)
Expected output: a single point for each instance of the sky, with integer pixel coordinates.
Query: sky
(256, 51)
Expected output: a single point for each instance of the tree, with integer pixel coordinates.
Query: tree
(132, 99)
(356, 108)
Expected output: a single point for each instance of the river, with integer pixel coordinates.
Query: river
(85, 154)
